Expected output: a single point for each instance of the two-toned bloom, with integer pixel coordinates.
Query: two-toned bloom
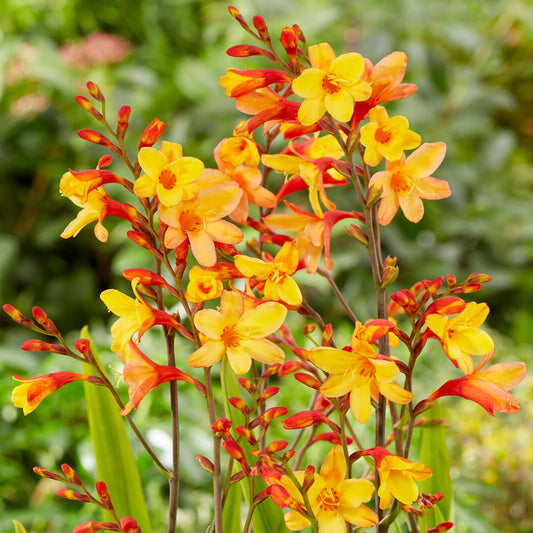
(276, 274)
(361, 372)
(200, 221)
(460, 336)
(397, 476)
(238, 333)
(333, 499)
(407, 181)
(168, 174)
(332, 85)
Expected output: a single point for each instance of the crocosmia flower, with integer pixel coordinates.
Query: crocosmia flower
(361, 372)
(385, 137)
(203, 285)
(460, 336)
(397, 476)
(407, 181)
(334, 500)
(276, 274)
(199, 220)
(238, 333)
(168, 174)
(333, 84)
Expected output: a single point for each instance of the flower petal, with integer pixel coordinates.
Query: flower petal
(208, 354)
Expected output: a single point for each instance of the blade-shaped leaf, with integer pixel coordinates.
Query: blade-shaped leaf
(115, 462)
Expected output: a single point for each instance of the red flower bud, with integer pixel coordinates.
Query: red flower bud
(129, 524)
(71, 475)
(88, 106)
(95, 137)
(95, 91)
(103, 493)
(17, 316)
(267, 393)
(289, 40)
(222, 425)
(276, 446)
(70, 494)
(304, 419)
(90, 527)
(246, 434)
(308, 379)
(444, 526)
(239, 404)
(42, 318)
(123, 118)
(246, 385)
(41, 346)
(152, 132)
(46, 473)
(205, 463)
(236, 14)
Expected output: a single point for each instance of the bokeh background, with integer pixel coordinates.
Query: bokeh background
(471, 60)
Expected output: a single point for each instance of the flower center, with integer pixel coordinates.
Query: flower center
(276, 276)
(330, 84)
(383, 135)
(230, 337)
(400, 182)
(190, 221)
(328, 499)
(167, 178)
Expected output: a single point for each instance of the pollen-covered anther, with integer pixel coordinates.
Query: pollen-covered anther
(329, 499)
(330, 84)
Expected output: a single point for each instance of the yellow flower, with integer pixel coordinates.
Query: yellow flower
(203, 285)
(239, 333)
(407, 181)
(461, 337)
(385, 137)
(334, 500)
(240, 149)
(361, 372)
(277, 275)
(333, 84)
(397, 477)
(168, 174)
(199, 221)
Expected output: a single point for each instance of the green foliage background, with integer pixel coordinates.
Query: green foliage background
(471, 60)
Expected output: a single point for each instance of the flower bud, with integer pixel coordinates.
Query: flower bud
(95, 92)
(90, 527)
(88, 106)
(308, 379)
(103, 493)
(205, 463)
(309, 478)
(41, 346)
(267, 393)
(236, 14)
(17, 316)
(261, 27)
(70, 494)
(358, 234)
(123, 118)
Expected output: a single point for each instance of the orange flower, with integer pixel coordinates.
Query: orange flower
(385, 137)
(239, 149)
(239, 333)
(203, 285)
(397, 476)
(199, 220)
(34, 390)
(406, 182)
(276, 274)
(332, 85)
(488, 388)
(361, 372)
(168, 174)
(143, 375)
(460, 336)
(334, 500)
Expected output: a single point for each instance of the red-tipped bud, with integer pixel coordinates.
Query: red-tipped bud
(129, 524)
(142, 240)
(309, 329)
(17, 316)
(290, 366)
(41, 346)
(239, 404)
(103, 493)
(451, 280)
(406, 300)
(280, 496)
(260, 496)
(289, 454)
(276, 446)
(261, 27)
(88, 106)
(308, 379)
(71, 475)
(267, 393)
(246, 385)
(358, 234)
(96, 137)
(304, 419)
(330, 436)
(272, 413)
(289, 40)
(222, 425)
(246, 434)
(373, 195)
(234, 450)
(152, 133)
(443, 526)
(42, 318)
(449, 305)
(205, 463)
(236, 14)
(47, 474)
(248, 50)
(70, 494)
(389, 274)
(238, 476)
(309, 478)
(90, 527)
(83, 346)
(270, 371)
(123, 118)
(95, 92)
(434, 285)
(327, 335)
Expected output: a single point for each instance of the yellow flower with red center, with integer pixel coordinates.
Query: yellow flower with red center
(203, 285)
(333, 499)
(168, 174)
(276, 274)
(199, 221)
(407, 181)
(333, 84)
(460, 336)
(385, 137)
(361, 372)
(33, 391)
(238, 333)
(397, 477)
(240, 149)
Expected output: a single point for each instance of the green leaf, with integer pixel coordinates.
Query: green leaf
(231, 516)
(19, 528)
(434, 453)
(115, 462)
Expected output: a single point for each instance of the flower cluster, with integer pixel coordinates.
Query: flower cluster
(237, 308)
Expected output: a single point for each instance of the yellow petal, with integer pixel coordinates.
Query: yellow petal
(474, 341)
(152, 161)
(333, 469)
(210, 322)
(207, 355)
(145, 186)
(239, 359)
(263, 351)
(119, 304)
(339, 105)
(311, 110)
(332, 360)
(203, 248)
(336, 385)
(321, 56)
(263, 320)
(425, 160)
(309, 83)
(348, 67)
(360, 402)
(289, 291)
(252, 266)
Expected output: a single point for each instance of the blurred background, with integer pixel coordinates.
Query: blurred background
(471, 61)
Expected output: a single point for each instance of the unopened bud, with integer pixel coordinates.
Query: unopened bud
(308, 379)
(71, 475)
(205, 463)
(70, 494)
(443, 526)
(276, 446)
(246, 385)
(152, 133)
(95, 92)
(236, 14)
(358, 234)
(103, 493)
(123, 118)
(309, 478)
(17, 316)
(388, 276)
(41, 346)
(261, 27)
(88, 106)
(289, 40)
(267, 393)
(239, 404)
(373, 195)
